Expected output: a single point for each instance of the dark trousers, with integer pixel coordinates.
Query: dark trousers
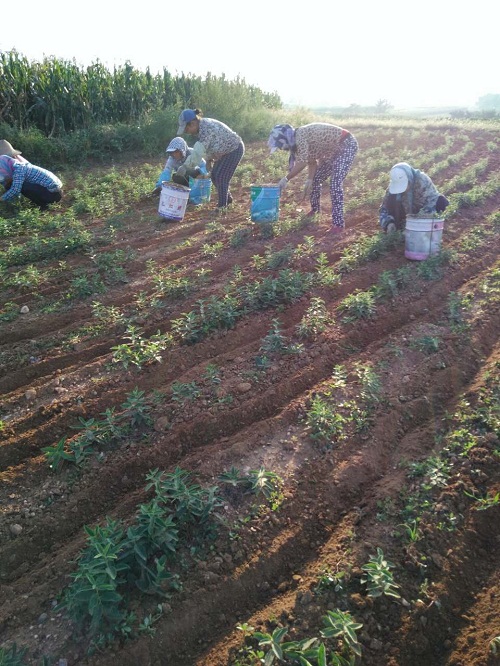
(39, 195)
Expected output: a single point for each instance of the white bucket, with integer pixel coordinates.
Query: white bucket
(173, 201)
(423, 236)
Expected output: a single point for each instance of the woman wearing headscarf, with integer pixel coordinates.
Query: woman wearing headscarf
(218, 144)
(410, 192)
(178, 151)
(328, 151)
(39, 185)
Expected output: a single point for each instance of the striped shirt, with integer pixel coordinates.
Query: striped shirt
(30, 173)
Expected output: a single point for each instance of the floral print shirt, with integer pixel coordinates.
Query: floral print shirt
(317, 141)
(218, 138)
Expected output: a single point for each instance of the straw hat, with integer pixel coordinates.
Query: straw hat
(7, 149)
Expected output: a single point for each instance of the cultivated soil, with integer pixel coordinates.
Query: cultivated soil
(340, 498)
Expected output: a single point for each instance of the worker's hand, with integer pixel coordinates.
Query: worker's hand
(307, 188)
(282, 184)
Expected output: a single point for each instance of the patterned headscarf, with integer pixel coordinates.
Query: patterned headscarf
(177, 143)
(6, 167)
(282, 137)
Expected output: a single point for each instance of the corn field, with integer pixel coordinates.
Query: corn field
(58, 96)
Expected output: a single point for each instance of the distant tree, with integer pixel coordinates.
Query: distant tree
(382, 106)
(488, 102)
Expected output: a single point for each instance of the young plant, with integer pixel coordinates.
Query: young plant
(340, 625)
(315, 320)
(378, 577)
(57, 454)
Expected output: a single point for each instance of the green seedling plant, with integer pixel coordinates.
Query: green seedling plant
(315, 321)
(427, 343)
(378, 577)
(276, 343)
(183, 392)
(136, 409)
(331, 580)
(326, 275)
(325, 423)
(340, 625)
(484, 503)
(371, 387)
(412, 530)
(140, 351)
(264, 482)
(57, 454)
(359, 305)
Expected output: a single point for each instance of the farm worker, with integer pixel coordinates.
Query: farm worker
(39, 185)
(410, 192)
(178, 151)
(7, 149)
(328, 151)
(218, 144)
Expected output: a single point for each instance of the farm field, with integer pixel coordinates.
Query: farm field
(221, 440)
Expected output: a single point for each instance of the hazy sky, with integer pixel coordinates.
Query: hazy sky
(311, 52)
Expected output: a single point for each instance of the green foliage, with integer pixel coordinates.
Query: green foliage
(315, 320)
(378, 577)
(12, 656)
(339, 624)
(276, 343)
(359, 305)
(140, 351)
(326, 424)
(125, 97)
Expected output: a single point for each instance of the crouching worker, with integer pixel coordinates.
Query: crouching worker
(175, 170)
(38, 185)
(410, 192)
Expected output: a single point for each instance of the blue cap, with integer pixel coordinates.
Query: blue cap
(185, 117)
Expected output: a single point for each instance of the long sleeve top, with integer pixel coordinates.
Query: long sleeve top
(217, 138)
(30, 173)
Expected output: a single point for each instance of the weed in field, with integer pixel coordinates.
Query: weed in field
(331, 580)
(483, 503)
(427, 343)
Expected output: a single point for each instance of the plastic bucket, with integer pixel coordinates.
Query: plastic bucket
(265, 203)
(423, 236)
(173, 201)
(201, 190)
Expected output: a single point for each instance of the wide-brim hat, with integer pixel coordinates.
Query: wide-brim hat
(7, 149)
(398, 180)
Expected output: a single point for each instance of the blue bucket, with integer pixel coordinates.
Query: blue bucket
(201, 190)
(265, 203)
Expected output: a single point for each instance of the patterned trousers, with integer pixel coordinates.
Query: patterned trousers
(222, 173)
(335, 168)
